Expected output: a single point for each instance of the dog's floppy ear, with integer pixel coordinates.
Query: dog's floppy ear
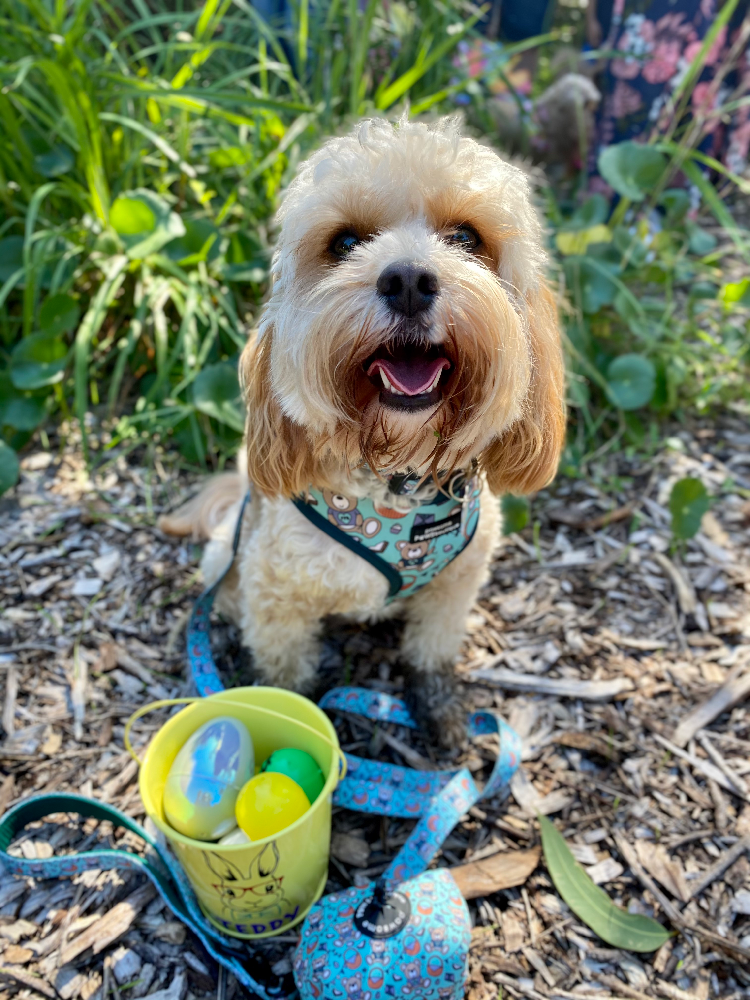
(280, 459)
(524, 458)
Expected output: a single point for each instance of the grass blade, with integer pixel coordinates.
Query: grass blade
(90, 324)
(407, 80)
(29, 292)
(591, 904)
(723, 216)
(126, 346)
(147, 133)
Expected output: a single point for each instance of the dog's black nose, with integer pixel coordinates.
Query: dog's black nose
(408, 288)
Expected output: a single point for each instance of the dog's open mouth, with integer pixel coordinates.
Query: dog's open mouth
(409, 377)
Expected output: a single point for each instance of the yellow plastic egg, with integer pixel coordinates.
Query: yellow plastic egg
(268, 803)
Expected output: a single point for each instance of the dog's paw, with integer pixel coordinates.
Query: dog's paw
(434, 700)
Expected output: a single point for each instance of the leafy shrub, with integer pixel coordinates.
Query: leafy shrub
(142, 153)
(141, 157)
(653, 325)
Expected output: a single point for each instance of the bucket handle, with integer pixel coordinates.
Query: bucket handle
(167, 702)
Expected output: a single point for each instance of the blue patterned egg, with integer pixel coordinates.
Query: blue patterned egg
(206, 777)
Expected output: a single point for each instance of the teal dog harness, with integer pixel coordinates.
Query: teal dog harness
(408, 547)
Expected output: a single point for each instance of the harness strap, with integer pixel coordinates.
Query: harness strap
(392, 575)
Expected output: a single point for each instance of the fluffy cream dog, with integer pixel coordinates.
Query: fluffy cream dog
(409, 329)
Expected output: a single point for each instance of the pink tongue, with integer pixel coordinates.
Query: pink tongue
(411, 377)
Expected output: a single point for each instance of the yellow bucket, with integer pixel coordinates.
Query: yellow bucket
(257, 890)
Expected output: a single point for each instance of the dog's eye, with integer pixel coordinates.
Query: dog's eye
(344, 243)
(463, 236)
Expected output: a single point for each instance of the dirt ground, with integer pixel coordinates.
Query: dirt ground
(595, 638)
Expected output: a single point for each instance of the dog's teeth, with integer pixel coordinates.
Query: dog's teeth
(436, 380)
(387, 384)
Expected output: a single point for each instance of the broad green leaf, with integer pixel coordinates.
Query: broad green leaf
(230, 156)
(9, 467)
(11, 256)
(631, 380)
(626, 308)
(592, 212)
(594, 285)
(736, 291)
(50, 160)
(132, 217)
(592, 905)
(704, 290)
(631, 168)
(700, 241)
(515, 513)
(57, 160)
(37, 361)
(630, 244)
(201, 241)
(216, 392)
(19, 410)
(59, 314)
(688, 502)
(144, 222)
(246, 259)
(191, 441)
(676, 201)
(577, 241)
(578, 393)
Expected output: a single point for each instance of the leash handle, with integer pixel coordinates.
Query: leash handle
(158, 866)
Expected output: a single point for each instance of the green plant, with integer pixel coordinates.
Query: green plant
(688, 502)
(516, 513)
(652, 325)
(142, 151)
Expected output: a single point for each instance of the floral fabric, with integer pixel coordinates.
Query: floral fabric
(658, 41)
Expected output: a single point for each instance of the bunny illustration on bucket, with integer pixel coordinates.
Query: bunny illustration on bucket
(255, 897)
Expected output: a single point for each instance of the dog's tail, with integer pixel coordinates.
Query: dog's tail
(207, 509)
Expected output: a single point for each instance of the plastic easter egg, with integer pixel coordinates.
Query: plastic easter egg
(236, 836)
(206, 777)
(269, 803)
(300, 767)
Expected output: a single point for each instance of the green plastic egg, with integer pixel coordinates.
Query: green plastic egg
(300, 767)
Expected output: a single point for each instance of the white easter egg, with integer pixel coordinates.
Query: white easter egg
(236, 836)
(206, 777)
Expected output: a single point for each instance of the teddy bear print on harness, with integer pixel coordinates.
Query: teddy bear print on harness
(344, 514)
(409, 547)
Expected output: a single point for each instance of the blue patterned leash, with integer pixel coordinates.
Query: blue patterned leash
(158, 865)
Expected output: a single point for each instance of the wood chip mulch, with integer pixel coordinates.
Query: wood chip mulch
(621, 659)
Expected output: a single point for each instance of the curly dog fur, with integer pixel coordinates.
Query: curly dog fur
(431, 206)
